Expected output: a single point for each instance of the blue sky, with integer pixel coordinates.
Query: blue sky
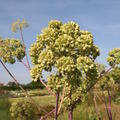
(101, 17)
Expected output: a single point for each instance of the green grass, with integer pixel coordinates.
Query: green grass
(80, 113)
(4, 109)
(41, 100)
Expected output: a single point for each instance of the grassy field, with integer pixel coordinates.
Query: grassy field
(41, 97)
(80, 113)
(4, 109)
(41, 100)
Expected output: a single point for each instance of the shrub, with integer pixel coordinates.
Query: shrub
(22, 110)
(34, 85)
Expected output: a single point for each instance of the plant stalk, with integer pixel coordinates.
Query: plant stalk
(56, 107)
(70, 114)
(24, 48)
(109, 97)
(96, 107)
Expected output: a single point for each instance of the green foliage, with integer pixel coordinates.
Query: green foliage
(107, 82)
(114, 57)
(115, 74)
(101, 68)
(9, 88)
(117, 100)
(72, 52)
(55, 82)
(87, 67)
(19, 25)
(22, 110)
(111, 80)
(11, 50)
(33, 85)
(82, 112)
(36, 72)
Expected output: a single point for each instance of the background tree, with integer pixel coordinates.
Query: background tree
(72, 52)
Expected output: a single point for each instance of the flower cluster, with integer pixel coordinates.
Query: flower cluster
(11, 50)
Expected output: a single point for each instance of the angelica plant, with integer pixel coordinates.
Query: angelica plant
(72, 53)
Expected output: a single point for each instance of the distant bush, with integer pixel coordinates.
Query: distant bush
(34, 85)
(31, 85)
(9, 88)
